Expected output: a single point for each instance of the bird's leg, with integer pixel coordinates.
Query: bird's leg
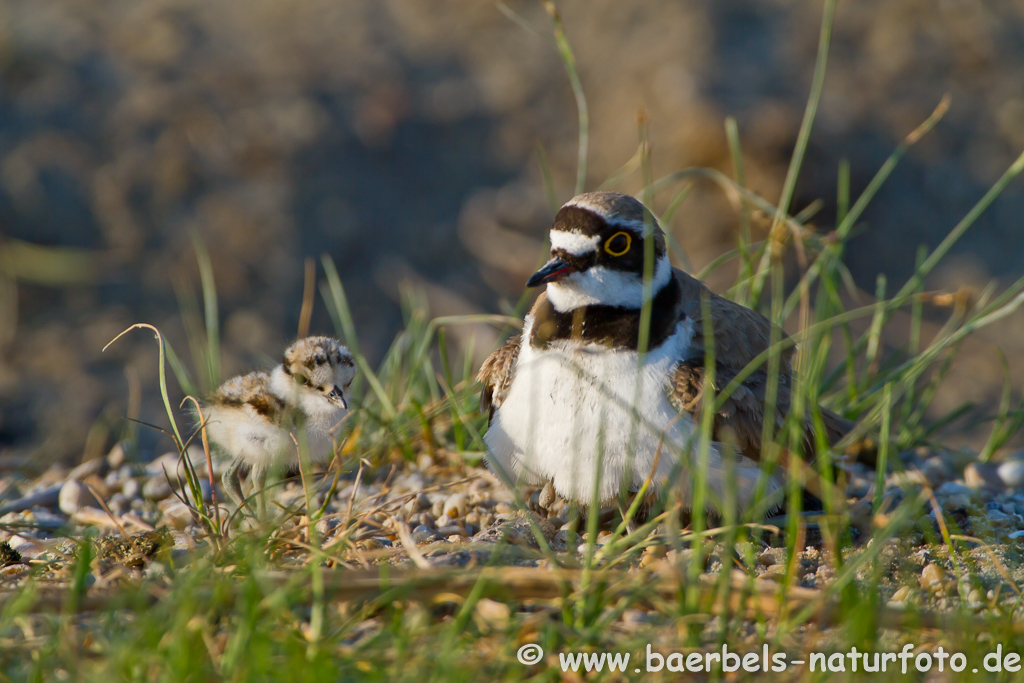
(630, 523)
(233, 484)
(258, 477)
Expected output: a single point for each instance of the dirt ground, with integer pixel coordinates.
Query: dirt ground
(402, 139)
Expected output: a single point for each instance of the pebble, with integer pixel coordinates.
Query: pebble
(116, 457)
(1011, 473)
(933, 578)
(46, 497)
(131, 488)
(74, 495)
(978, 475)
(118, 503)
(936, 470)
(455, 506)
(976, 598)
(956, 502)
(423, 534)
(178, 515)
(953, 488)
(1000, 518)
(902, 595)
(95, 467)
(156, 488)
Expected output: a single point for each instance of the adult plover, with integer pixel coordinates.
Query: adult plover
(253, 418)
(571, 396)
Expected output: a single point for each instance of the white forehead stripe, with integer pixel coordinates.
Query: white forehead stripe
(582, 202)
(574, 242)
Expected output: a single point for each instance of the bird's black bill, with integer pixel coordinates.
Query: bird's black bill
(554, 270)
(337, 398)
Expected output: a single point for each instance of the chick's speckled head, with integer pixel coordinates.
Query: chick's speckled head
(321, 364)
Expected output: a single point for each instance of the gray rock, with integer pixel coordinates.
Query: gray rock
(74, 495)
(118, 503)
(423, 534)
(112, 481)
(937, 470)
(46, 497)
(979, 474)
(96, 466)
(954, 488)
(998, 517)
(156, 488)
(131, 489)
(1011, 473)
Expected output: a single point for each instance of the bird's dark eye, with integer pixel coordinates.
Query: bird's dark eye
(302, 379)
(618, 244)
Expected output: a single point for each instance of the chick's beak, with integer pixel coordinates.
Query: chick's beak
(554, 270)
(337, 398)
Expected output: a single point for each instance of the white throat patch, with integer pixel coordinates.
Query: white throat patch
(602, 286)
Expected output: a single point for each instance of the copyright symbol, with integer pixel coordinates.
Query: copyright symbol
(530, 654)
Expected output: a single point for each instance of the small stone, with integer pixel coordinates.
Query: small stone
(936, 470)
(999, 517)
(424, 519)
(503, 508)
(156, 488)
(976, 597)
(410, 508)
(116, 457)
(902, 595)
(1011, 473)
(423, 534)
(325, 526)
(118, 503)
(956, 502)
(74, 495)
(451, 530)
(953, 488)
(933, 578)
(131, 489)
(564, 540)
(95, 467)
(657, 551)
(861, 509)
(444, 520)
(767, 558)
(491, 615)
(455, 506)
(178, 515)
(978, 475)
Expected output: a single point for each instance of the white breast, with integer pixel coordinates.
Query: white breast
(574, 409)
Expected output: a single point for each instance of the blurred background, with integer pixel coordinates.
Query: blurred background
(404, 140)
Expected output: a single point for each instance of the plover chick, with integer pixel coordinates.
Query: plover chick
(255, 419)
(572, 396)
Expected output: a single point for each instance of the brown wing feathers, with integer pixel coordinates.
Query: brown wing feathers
(496, 375)
(741, 335)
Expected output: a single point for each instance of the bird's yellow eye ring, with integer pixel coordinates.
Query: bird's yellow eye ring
(618, 251)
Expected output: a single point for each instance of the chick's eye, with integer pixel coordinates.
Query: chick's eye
(618, 244)
(302, 379)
